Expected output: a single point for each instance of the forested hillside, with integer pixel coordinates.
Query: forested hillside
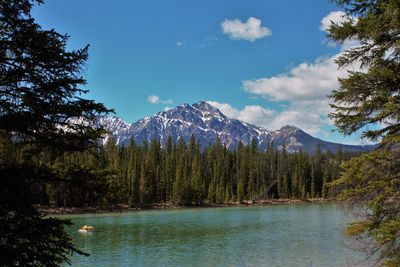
(183, 174)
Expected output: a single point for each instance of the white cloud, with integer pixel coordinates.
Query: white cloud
(250, 30)
(180, 44)
(255, 114)
(302, 90)
(225, 108)
(154, 99)
(305, 87)
(338, 17)
(300, 116)
(306, 81)
(310, 116)
(335, 17)
(250, 113)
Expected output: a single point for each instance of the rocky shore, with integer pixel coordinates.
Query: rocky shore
(47, 210)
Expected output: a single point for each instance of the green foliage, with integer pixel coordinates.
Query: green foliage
(40, 83)
(40, 92)
(27, 238)
(369, 96)
(369, 101)
(196, 182)
(184, 175)
(373, 181)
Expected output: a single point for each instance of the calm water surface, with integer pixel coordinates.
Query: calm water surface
(288, 235)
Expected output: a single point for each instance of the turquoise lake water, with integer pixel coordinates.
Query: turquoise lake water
(286, 235)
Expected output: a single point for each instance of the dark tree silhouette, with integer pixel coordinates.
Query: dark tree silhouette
(40, 92)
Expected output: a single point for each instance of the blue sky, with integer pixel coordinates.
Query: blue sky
(264, 62)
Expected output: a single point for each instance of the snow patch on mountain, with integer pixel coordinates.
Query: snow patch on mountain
(207, 123)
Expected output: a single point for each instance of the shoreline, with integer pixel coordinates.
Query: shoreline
(121, 208)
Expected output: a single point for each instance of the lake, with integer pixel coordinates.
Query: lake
(284, 235)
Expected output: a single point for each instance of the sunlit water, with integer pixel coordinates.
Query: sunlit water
(287, 235)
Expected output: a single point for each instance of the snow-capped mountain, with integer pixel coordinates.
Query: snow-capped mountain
(115, 127)
(207, 123)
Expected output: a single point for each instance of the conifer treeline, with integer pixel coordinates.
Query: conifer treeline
(185, 174)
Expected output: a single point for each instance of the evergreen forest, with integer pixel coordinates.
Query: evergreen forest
(179, 173)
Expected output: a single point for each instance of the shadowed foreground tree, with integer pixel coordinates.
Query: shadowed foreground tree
(39, 93)
(369, 100)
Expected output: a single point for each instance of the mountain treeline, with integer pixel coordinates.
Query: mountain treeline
(181, 173)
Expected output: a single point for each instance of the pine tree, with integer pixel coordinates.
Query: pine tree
(369, 101)
(271, 180)
(7, 151)
(240, 190)
(112, 159)
(169, 167)
(316, 173)
(180, 187)
(40, 93)
(147, 180)
(196, 182)
(282, 172)
(133, 174)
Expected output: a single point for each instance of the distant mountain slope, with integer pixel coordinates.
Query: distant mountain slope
(207, 123)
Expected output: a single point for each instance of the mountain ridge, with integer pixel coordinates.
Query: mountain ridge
(207, 123)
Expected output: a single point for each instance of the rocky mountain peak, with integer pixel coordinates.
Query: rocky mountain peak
(207, 123)
(208, 109)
